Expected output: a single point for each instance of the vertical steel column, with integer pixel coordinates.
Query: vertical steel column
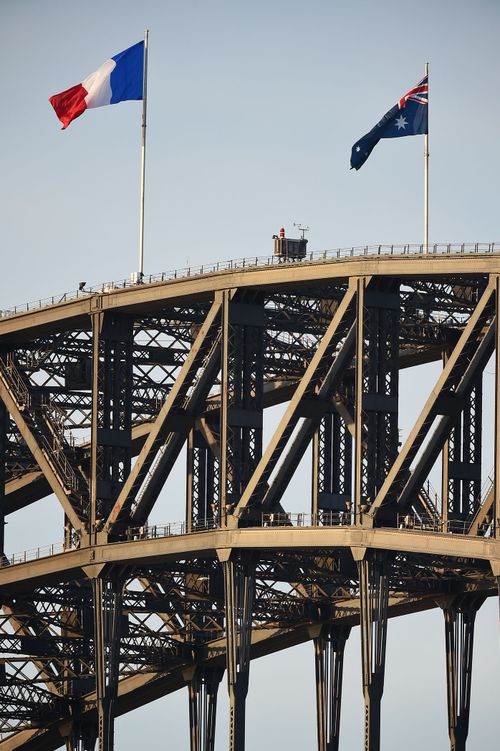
(332, 466)
(329, 661)
(358, 400)
(462, 463)
(459, 618)
(202, 482)
(97, 321)
(445, 474)
(107, 600)
(241, 413)
(373, 594)
(203, 688)
(83, 737)
(78, 620)
(111, 436)
(377, 387)
(239, 586)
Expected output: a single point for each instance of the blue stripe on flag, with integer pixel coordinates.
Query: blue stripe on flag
(127, 78)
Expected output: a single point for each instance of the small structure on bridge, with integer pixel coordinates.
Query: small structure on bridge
(289, 249)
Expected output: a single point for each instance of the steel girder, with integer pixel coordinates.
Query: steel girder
(146, 378)
(329, 648)
(374, 597)
(459, 618)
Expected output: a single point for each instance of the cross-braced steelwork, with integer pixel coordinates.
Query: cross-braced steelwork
(103, 395)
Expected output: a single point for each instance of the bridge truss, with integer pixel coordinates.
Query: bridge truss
(100, 397)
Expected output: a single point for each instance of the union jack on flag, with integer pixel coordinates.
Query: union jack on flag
(420, 94)
(409, 117)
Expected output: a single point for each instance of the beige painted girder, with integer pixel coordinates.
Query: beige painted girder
(483, 512)
(149, 296)
(69, 566)
(496, 477)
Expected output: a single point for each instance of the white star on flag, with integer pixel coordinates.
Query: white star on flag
(401, 122)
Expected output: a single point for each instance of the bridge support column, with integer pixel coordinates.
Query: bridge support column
(111, 436)
(83, 737)
(241, 412)
(108, 596)
(202, 487)
(332, 469)
(376, 389)
(373, 592)
(461, 493)
(459, 618)
(203, 688)
(329, 659)
(239, 586)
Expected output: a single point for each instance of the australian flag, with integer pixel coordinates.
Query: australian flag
(409, 117)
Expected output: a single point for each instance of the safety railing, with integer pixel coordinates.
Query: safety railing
(316, 256)
(52, 440)
(447, 526)
(410, 522)
(319, 519)
(15, 383)
(31, 555)
(155, 531)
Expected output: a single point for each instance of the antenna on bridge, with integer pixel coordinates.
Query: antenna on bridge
(302, 228)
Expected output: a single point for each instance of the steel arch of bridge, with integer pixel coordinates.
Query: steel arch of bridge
(101, 396)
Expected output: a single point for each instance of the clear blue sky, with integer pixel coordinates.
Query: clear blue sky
(253, 109)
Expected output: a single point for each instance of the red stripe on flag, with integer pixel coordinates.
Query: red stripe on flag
(69, 104)
(421, 89)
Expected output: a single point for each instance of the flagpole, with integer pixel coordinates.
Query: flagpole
(426, 172)
(143, 154)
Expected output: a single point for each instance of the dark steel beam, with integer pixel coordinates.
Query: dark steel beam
(241, 408)
(175, 403)
(111, 432)
(42, 453)
(459, 618)
(329, 648)
(325, 351)
(376, 387)
(203, 687)
(108, 597)
(468, 356)
(239, 590)
(373, 592)
(461, 396)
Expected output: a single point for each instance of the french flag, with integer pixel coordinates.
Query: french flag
(117, 80)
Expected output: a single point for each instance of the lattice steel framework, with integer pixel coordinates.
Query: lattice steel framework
(101, 397)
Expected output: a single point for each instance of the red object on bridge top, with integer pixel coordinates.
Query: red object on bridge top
(282, 232)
